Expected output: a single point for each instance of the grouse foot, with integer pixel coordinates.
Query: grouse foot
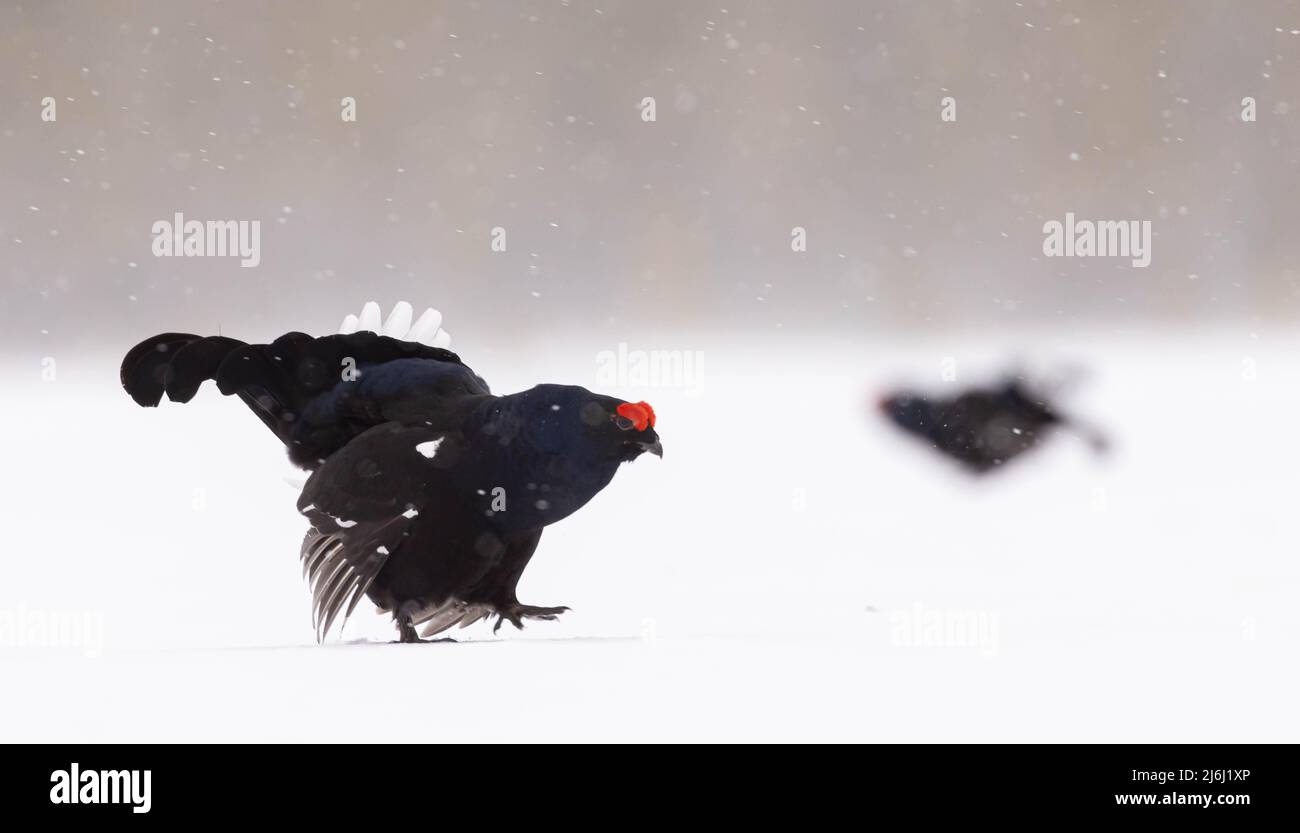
(515, 614)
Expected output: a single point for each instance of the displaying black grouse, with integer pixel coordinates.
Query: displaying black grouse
(428, 494)
(981, 427)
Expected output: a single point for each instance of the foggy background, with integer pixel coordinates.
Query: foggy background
(526, 115)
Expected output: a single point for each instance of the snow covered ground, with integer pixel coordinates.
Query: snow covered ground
(792, 569)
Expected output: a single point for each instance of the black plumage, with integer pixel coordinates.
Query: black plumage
(980, 427)
(428, 494)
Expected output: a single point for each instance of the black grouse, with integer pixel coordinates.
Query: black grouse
(981, 427)
(427, 493)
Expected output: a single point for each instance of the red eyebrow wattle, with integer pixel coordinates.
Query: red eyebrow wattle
(641, 414)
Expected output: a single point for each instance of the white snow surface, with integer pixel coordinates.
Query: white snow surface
(752, 585)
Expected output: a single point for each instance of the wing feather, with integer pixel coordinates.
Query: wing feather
(340, 565)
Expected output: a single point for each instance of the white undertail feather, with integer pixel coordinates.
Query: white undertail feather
(426, 330)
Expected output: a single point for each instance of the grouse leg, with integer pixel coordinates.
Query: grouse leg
(406, 631)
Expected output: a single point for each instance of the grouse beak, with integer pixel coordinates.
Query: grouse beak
(654, 448)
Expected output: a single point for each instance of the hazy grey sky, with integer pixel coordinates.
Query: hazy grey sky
(526, 115)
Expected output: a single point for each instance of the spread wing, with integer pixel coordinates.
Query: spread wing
(340, 568)
(386, 490)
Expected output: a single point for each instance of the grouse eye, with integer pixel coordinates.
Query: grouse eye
(623, 422)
